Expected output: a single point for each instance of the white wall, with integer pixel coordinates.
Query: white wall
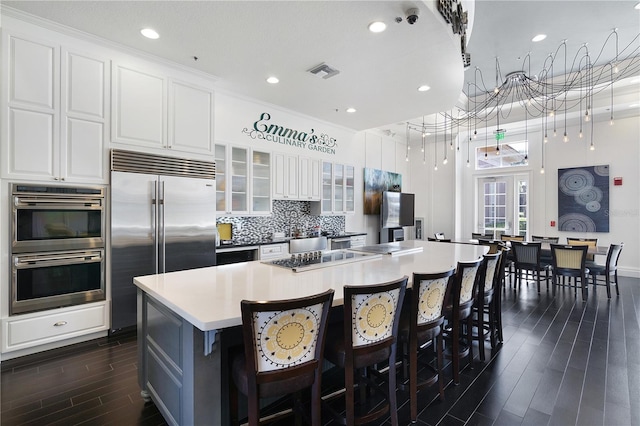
(617, 146)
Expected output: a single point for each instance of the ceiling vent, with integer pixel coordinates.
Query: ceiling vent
(323, 70)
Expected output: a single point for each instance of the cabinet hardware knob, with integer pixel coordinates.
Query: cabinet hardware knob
(60, 324)
(61, 178)
(55, 178)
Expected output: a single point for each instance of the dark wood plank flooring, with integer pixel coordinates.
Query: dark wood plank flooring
(563, 362)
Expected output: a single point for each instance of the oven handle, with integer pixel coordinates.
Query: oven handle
(24, 262)
(66, 202)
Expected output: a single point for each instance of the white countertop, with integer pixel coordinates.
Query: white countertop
(209, 298)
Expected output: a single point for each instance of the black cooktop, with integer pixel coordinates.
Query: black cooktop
(314, 260)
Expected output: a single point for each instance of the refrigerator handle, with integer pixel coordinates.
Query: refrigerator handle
(161, 225)
(154, 222)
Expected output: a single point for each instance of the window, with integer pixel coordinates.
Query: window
(511, 155)
(495, 207)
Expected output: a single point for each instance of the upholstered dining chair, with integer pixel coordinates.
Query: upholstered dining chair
(569, 261)
(458, 310)
(283, 347)
(488, 286)
(367, 337)
(548, 240)
(589, 242)
(422, 323)
(608, 271)
(511, 260)
(527, 259)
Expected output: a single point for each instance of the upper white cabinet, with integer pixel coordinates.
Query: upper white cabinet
(56, 112)
(296, 178)
(151, 110)
(338, 190)
(310, 178)
(190, 118)
(139, 107)
(243, 180)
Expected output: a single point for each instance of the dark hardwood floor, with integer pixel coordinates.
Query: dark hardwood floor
(563, 362)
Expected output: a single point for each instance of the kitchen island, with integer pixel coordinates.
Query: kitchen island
(189, 320)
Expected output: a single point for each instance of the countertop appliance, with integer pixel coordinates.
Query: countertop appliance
(320, 259)
(162, 220)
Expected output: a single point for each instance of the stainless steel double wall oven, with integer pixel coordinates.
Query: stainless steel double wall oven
(57, 246)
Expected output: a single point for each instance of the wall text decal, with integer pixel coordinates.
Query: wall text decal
(263, 129)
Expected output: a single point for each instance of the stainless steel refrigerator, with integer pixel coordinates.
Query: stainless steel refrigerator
(159, 223)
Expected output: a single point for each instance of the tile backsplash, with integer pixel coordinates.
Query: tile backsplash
(287, 216)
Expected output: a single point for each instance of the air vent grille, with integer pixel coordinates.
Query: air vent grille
(139, 162)
(323, 70)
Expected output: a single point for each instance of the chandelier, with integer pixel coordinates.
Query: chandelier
(562, 87)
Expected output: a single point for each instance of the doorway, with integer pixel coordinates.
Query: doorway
(503, 205)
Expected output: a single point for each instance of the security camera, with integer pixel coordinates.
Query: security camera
(412, 15)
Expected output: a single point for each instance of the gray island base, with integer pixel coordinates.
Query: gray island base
(189, 320)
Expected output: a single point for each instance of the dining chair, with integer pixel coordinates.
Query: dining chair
(570, 261)
(283, 346)
(458, 310)
(366, 337)
(609, 270)
(589, 242)
(527, 259)
(548, 240)
(488, 285)
(421, 324)
(510, 263)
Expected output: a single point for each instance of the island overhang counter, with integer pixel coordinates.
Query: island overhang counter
(188, 320)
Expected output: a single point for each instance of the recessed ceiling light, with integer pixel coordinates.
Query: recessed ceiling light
(149, 33)
(423, 88)
(637, 6)
(351, 109)
(539, 37)
(273, 80)
(377, 27)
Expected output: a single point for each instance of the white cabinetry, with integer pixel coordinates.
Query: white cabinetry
(274, 251)
(296, 178)
(338, 190)
(310, 179)
(151, 110)
(56, 112)
(243, 180)
(28, 330)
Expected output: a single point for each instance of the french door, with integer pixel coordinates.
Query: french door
(503, 205)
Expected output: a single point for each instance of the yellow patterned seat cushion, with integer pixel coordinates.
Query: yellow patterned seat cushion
(468, 278)
(431, 298)
(286, 338)
(373, 316)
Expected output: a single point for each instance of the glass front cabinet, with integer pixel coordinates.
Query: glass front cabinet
(243, 180)
(338, 190)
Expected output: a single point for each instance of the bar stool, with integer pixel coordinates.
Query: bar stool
(420, 324)
(283, 346)
(367, 336)
(458, 310)
(488, 287)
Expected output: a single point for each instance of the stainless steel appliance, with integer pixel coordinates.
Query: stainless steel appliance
(340, 243)
(48, 280)
(162, 220)
(318, 259)
(56, 218)
(57, 246)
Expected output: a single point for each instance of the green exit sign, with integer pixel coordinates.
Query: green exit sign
(499, 136)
